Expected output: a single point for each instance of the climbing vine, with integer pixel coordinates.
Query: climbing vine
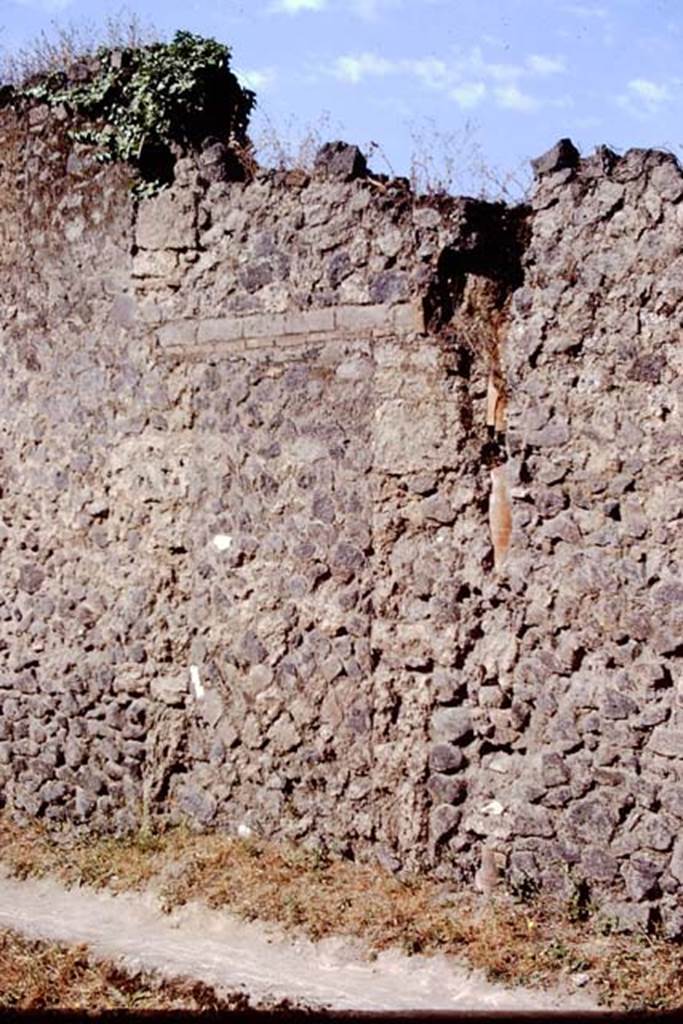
(136, 104)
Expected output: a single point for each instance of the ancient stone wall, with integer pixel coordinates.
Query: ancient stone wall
(335, 514)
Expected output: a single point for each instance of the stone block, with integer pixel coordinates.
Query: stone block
(672, 921)
(451, 725)
(627, 917)
(340, 161)
(363, 318)
(666, 741)
(283, 735)
(676, 866)
(446, 758)
(409, 317)
(220, 329)
(554, 434)
(446, 789)
(123, 310)
(31, 578)
(389, 287)
(554, 770)
(264, 325)
(593, 816)
(85, 803)
(563, 155)
(443, 821)
(531, 820)
(169, 690)
(667, 179)
(308, 321)
(210, 707)
(177, 333)
(598, 865)
(167, 221)
(447, 686)
(641, 875)
(410, 436)
(155, 264)
(197, 803)
(426, 217)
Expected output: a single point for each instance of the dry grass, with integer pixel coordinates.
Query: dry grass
(36, 975)
(536, 943)
(64, 44)
(453, 161)
(29, 851)
(291, 144)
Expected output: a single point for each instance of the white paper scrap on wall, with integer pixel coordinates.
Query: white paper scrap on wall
(222, 542)
(493, 807)
(196, 682)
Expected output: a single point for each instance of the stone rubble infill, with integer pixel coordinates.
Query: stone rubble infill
(241, 360)
(215, 948)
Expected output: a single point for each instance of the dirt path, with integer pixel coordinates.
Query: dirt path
(213, 947)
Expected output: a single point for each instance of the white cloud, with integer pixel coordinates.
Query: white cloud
(469, 94)
(590, 121)
(370, 9)
(649, 92)
(562, 102)
(431, 71)
(541, 65)
(475, 63)
(354, 69)
(499, 72)
(294, 6)
(50, 6)
(511, 97)
(585, 11)
(468, 79)
(644, 97)
(258, 79)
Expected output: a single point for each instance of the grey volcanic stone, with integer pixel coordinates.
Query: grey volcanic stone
(31, 578)
(445, 789)
(444, 757)
(531, 820)
(672, 920)
(198, 804)
(666, 741)
(618, 705)
(443, 821)
(85, 803)
(341, 161)
(627, 917)
(554, 770)
(170, 689)
(563, 154)
(599, 865)
(676, 865)
(641, 875)
(451, 725)
(594, 816)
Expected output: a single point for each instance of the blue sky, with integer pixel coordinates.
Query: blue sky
(463, 81)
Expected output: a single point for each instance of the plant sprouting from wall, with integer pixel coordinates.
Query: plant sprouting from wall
(138, 105)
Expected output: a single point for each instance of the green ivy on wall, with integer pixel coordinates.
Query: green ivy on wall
(135, 104)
